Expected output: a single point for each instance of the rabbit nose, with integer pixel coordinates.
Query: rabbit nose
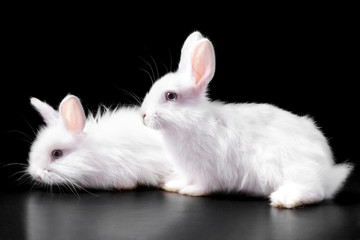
(144, 120)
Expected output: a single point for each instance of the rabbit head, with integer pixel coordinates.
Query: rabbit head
(174, 92)
(57, 156)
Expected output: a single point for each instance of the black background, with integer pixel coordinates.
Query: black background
(303, 61)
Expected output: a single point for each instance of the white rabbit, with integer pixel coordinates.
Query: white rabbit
(112, 150)
(257, 149)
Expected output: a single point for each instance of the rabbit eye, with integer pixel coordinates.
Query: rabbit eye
(56, 154)
(171, 96)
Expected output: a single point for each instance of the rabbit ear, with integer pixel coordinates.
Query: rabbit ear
(189, 44)
(203, 63)
(72, 114)
(46, 111)
(198, 59)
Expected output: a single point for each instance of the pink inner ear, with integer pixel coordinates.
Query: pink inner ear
(73, 114)
(202, 61)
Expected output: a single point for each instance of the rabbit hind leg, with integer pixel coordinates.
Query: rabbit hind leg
(294, 195)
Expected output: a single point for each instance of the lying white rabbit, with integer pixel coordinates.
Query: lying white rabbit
(257, 149)
(112, 150)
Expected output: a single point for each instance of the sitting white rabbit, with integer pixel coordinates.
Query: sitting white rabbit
(258, 149)
(112, 150)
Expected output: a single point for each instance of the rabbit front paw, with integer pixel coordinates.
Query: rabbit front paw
(175, 185)
(285, 200)
(194, 190)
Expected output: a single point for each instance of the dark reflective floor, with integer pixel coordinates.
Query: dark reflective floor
(154, 214)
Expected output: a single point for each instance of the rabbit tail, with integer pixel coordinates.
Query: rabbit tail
(336, 177)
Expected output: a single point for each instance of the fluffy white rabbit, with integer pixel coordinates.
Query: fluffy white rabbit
(112, 150)
(258, 149)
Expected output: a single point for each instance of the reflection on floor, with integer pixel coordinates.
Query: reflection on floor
(154, 214)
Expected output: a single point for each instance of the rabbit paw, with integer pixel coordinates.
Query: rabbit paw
(174, 185)
(294, 195)
(281, 199)
(194, 190)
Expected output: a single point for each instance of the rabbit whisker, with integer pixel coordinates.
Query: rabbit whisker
(71, 186)
(156, 67)
(27, 136)
(32, 129)
(170, 59)
(35, 183)
(152, 81)
(133, 95)
(22, 172)
(25, 177)
(83, 189)
(166, 68)
(15, 164)
(152, 77)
